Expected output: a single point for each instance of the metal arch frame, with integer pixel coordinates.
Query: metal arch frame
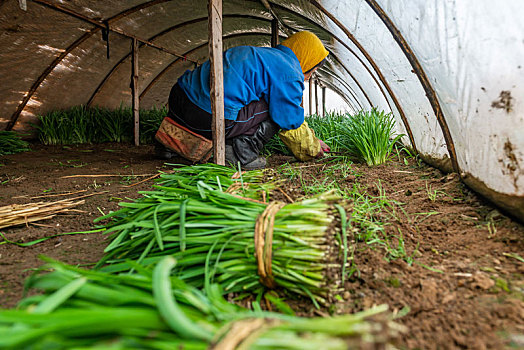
(339, 62)
(62, 55)
(372, 3)
(339, 93)
(375, 68)
(112, 19)
(165, 31)
(282, 8)
(170, 65)
(180, 25)
(423, 78)
(327, 72)
(158, 76)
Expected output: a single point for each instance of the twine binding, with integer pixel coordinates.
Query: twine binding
(264, 243)
(240, 334)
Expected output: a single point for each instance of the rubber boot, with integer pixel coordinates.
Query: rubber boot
(246, 148)
(162, 152)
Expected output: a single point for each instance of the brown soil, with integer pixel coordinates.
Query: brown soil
(460, 280)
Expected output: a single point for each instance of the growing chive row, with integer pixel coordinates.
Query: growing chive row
(82, 309)
(81, 124)
(211, 234)
(368, 136)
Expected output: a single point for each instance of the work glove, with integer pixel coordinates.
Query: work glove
(302, 142)
(323, 148)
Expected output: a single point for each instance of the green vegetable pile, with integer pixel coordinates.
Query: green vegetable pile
(202, 232)
(193, 216)
(10, 143)
(82, 309)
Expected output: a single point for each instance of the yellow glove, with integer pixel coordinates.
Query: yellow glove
(302, 142)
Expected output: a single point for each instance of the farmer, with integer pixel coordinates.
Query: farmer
(263, 90)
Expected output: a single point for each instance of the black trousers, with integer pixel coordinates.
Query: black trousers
(186, 113)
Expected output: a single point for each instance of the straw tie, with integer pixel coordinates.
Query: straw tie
(240, 333)
(264, 243)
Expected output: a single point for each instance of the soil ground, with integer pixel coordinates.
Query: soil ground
(448, 264)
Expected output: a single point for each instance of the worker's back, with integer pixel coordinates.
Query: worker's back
(251, 73)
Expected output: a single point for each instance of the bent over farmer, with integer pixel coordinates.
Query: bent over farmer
(263, 90)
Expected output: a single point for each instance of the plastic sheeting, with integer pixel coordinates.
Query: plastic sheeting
(470, 51)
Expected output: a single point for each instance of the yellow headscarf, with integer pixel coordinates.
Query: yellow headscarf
(308, 48)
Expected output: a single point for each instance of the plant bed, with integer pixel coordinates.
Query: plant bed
(456, 277)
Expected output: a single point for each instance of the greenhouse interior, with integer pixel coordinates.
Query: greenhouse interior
(376, 200)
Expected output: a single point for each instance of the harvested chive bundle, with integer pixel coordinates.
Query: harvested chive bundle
(93, 310)
(250, 184)
(10, 143)
(211, 234)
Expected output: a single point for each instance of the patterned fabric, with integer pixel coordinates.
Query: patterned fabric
(183, 141)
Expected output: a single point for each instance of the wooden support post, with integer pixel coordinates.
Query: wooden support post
(135, 92)
(274, 32)
(216, 80)
(323, 101)
(316, 96)
(310, 96)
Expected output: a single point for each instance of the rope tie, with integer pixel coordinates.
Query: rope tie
(241, 333)
(264, 243)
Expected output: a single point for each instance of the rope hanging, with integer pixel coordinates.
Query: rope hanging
(264, 243)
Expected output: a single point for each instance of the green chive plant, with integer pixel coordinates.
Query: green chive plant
(327, 128)
(151, 309)
(369, 135)
(11, 143)
(366, 135)
(114, 125)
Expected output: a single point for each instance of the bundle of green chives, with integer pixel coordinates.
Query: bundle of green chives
(83, 309)
(10, 143)
(211, 234)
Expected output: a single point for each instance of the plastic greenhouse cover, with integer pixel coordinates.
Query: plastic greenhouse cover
(470, 50)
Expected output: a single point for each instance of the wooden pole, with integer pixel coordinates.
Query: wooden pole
(274, 32)
(135, 92)
(316, 96)
(310, 96)
(323, 101)
(216, 80)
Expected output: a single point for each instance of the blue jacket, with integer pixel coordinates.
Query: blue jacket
(252, 73)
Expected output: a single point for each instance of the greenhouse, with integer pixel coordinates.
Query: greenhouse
(261, 174)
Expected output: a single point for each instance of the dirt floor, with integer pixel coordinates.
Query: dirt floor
(448, 264)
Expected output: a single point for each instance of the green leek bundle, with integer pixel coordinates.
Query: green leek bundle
(93, 310)
(300, 247)
(11, 143)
